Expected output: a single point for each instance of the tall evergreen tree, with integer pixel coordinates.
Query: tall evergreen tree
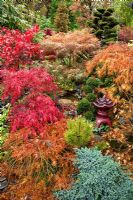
(62, 18)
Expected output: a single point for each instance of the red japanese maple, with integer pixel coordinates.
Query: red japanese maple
(24, 82)
(34, 114)
(28, 91)
(17, 48)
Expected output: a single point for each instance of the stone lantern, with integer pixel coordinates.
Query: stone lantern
(103, 105)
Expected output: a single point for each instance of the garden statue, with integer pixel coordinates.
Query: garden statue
(103, 105)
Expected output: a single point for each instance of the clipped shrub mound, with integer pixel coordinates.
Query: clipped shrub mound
(99, 178)
(85, 106)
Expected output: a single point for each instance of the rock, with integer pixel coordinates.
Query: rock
(65, 102)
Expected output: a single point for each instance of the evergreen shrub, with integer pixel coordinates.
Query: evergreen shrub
(62, 18)
(104, 25)
(85, 106)
(79, 131)
(99, 178)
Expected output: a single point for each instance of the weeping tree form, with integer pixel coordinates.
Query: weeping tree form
(124, 11)
(62, 17)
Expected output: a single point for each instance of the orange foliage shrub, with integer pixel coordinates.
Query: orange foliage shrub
(120, 148)
(71, 43)
(116, 60)
(38, 166)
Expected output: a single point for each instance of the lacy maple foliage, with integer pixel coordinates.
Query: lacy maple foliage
(34, 114)
(125, 34)
(25, 82)
(120, 148)
(116, 60)
(17, 48)
(71, 43)
(28, 91)
(39, 166)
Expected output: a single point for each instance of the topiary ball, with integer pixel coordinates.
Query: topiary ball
(83, 106)
(89, 115)
(91, 97)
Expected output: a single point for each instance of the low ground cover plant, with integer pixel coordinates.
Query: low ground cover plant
(99, 178)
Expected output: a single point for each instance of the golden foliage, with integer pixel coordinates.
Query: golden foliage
(121, 150)
(116, 60)
(37, 167)
(122, 134)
